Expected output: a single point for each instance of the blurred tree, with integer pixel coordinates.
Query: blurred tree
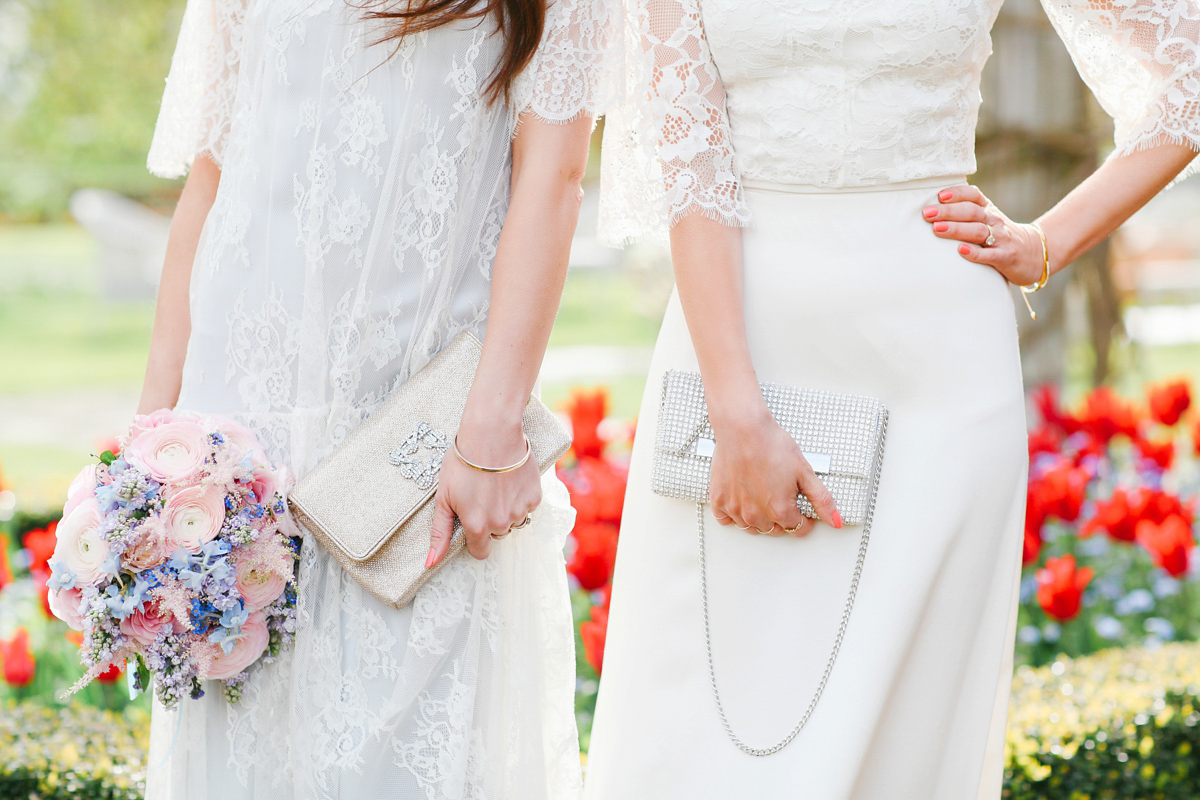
(94, 72)
(1040, 134)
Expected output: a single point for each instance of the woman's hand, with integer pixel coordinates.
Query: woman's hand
(966, 216)
(489, 505)
(757, 472)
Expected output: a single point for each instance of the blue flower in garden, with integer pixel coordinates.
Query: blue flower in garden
(1051, 631)
(1139, 601)
(60, 577)
(1108, 627)
(1029, 634)
(1166, 586)
(1157, 626)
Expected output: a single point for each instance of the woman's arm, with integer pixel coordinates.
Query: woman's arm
(172, 317)
(758, 469)
(1080, 221)
(527, 283)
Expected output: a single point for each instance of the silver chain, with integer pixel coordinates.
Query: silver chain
(837, 642)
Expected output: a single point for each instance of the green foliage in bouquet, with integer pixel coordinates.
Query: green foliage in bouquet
(1116, 724)
(78, 753)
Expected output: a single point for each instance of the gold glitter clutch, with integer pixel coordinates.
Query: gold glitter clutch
(370, 502)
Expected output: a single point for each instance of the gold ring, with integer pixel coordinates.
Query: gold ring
(990, 241)
(502, 535)
(522, 523)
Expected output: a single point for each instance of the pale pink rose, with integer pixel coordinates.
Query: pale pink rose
(151, 549)
(145, 624)
(194, 516)
(173, 452)
(64, 603)
(83, 487)
(264, 484)
(80, 547)
(246, 650)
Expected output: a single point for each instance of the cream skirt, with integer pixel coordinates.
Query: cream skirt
(846, 291)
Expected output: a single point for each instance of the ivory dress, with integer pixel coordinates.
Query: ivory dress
(824, 128)
(362, 194)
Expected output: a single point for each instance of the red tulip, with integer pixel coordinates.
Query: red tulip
(1105, 415)
(6, 575)
(597, 489)
(110, 675)
(40, 544)
(1114, 516)
(1160, 453)
(1058, 491)
(1060, 587)
(1168, 401)
(41, 583)
(19, 663)
(1169, 543)
(595, 553)
(1044, 440)
(1196, 437)
(593, 633)
(1032, 546)
(1157, 505)
(1046, 399)
(587, 409)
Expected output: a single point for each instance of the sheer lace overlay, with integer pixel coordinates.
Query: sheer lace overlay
(845, 93)
(362, 194)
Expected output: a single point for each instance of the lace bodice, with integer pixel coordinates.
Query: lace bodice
(850, 93)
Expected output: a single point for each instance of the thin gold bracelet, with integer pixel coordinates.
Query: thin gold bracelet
(494, 470)
(1034, 287)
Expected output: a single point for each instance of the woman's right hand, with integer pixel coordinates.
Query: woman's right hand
(757, 472)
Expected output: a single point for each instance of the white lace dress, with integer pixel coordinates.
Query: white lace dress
(823, 128)
(362, 193)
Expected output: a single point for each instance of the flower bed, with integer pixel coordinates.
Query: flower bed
(79, 753)
(1116, 724)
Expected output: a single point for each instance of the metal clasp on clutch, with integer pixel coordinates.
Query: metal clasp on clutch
(820, 462)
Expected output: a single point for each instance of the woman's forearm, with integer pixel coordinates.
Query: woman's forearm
(708, 276)
(1098, 206)
(527, 282)
(172, 319)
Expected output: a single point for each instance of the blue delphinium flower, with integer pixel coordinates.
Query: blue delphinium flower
(60, 577)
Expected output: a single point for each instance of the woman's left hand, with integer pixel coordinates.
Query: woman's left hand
(963, 214)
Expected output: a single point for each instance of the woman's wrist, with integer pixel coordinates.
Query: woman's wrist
(491, 439)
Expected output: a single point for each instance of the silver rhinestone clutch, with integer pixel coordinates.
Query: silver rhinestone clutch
(369, 502)
(841, 436)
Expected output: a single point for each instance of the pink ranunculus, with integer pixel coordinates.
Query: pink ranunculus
(145, 422)
(64, 603)
(258, 582)
(173, 452)
(245, 442)
(145, 624)
(246, 650)
(83, 487)
(151, 549)
(80, 548)
(194, 516)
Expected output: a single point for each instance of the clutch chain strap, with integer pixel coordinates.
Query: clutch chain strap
(837, 643)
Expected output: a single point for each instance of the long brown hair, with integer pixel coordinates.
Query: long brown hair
(520, 22)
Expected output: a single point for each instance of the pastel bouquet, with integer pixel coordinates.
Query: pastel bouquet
(178, 557)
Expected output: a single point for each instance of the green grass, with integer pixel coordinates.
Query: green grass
(605, 307)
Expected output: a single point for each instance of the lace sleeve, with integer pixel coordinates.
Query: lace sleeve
(572, 72)
(1141, 58)
(667, 150)
(198, 100)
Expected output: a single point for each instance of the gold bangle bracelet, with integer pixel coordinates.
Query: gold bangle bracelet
(1034, 287)
(494, 470)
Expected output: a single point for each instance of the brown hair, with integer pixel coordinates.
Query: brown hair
(520, 22)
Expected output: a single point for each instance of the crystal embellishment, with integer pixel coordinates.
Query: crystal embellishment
(408, 456)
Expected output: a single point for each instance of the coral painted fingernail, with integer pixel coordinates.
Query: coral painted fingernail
(946, 195)
(930, 213)
(941, 227)
(431, 558)
(837, 519)
(966, 251)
